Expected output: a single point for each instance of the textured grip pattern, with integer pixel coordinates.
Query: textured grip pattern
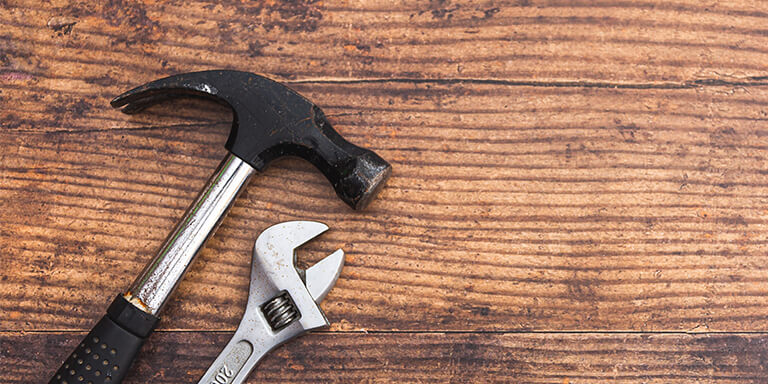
(103, 356)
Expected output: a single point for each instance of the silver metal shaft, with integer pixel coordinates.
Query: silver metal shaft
(160, 277)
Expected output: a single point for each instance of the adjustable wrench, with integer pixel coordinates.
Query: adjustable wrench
(282, 302)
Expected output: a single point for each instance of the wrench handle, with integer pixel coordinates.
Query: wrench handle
(108, 350)
(234, 363)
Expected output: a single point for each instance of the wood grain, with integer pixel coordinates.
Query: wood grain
(510, 208)
(564, 171)
(432, 358)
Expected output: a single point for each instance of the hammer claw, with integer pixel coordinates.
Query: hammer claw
(160, 90)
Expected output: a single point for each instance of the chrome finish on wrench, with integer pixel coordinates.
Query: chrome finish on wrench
(273, 276)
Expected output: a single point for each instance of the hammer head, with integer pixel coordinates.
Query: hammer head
(271, 121)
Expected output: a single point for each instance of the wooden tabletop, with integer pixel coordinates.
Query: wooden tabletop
(578, 195)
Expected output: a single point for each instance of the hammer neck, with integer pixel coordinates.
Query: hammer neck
(162, 275)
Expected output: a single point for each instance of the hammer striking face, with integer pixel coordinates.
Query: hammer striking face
(270, 121)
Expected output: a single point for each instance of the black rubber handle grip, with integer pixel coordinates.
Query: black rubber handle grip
(107, 352)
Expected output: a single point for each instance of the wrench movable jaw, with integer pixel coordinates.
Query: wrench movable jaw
(322, 276)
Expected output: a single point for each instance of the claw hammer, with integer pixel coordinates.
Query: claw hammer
(270, 121)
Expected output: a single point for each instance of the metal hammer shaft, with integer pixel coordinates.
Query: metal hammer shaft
(160, 277)
(108, 350)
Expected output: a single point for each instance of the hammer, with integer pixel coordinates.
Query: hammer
(270, 121)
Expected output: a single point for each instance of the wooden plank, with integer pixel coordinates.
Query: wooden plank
(510, 208)
(96, 44)
(428, 358)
